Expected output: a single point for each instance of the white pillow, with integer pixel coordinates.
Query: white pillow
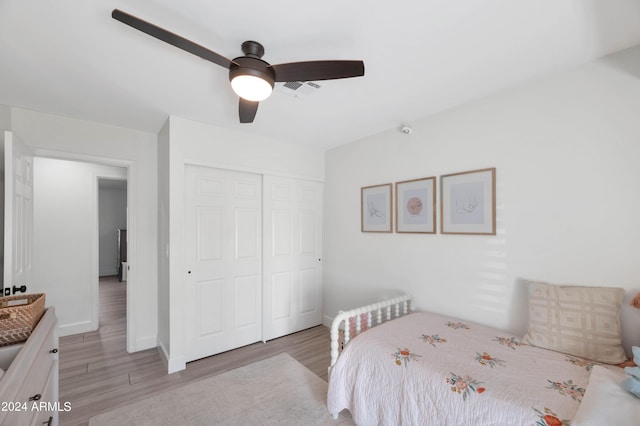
(605, 401)
(581, 321)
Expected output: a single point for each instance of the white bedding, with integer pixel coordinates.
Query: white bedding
(429, 369)
(606, 401)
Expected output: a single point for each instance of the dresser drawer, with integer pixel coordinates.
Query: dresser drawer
(29, 386)
(33, 386)
(47, 408)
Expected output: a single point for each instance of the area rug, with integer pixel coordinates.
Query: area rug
(275, 391)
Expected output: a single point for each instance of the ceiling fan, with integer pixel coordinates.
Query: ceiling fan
(251, 77)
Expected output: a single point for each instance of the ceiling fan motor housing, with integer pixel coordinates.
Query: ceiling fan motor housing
(253, 49)
(254, 67)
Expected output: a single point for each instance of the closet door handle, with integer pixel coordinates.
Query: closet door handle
(48, 422)
(54, 351)
(35, 397)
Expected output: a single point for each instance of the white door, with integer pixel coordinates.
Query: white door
(292, 256)
(223, 228)
(18, 212)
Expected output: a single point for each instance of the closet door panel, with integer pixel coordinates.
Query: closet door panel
(281, 296)
(209, 225)
(292, 212)
(210, 308)
(248, 240)
(223, 241)
(247, 303)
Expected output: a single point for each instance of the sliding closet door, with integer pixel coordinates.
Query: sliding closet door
(292, 256)
(223, 241)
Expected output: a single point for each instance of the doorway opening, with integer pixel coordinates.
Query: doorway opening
(112, 251)
(68, 214)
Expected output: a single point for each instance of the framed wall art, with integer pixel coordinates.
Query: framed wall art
(468, 202)
(376, 210)
(416, 206)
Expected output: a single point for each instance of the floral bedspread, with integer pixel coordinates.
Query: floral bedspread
(428, 369)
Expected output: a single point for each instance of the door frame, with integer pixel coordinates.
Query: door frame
(95, 243)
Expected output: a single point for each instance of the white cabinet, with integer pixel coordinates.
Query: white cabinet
(29, 386)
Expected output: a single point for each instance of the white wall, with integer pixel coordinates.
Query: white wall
(566, 149)
(67, 138)
(5, 117)
(189, 142)
(164, 289)
(65, 221)
(112, 215)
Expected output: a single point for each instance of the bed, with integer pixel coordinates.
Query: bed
(392, 366)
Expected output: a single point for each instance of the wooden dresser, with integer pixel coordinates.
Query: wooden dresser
(29, 385)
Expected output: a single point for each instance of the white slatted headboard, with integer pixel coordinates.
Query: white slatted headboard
(376, 314)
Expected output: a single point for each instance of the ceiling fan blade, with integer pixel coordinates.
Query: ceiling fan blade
(247, 110)
(171, 38)
(317, 70)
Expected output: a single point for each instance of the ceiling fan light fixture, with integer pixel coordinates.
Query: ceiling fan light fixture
(251, 78)
(251, 87)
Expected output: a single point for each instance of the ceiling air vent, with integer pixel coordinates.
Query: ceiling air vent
(298, 89)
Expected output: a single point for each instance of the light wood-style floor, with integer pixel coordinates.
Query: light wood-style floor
(97, 374)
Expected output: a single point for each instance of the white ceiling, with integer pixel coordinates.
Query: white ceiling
(71, 58)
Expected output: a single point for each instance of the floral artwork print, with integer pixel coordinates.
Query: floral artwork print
(404, 356)
(509, 342)
(567, 388)
(464, 385)
(549, 418)
(581, 362)
(486, 359)
(457, 325)
(433, 339)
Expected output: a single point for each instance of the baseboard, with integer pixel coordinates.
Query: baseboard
(144, 343)
(108, 272)
(176, 364)
(164, 356)
(80, 327)
(327, 321)
(173, 365)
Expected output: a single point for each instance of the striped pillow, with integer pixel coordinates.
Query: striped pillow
(581, 321)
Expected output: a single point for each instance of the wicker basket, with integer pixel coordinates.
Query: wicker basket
(19, 316)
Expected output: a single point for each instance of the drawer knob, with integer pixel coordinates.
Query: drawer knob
(35, 397)
(54, 351)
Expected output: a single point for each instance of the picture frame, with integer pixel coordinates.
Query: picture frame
(416, 206)
(376, 212)
(468, 202)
